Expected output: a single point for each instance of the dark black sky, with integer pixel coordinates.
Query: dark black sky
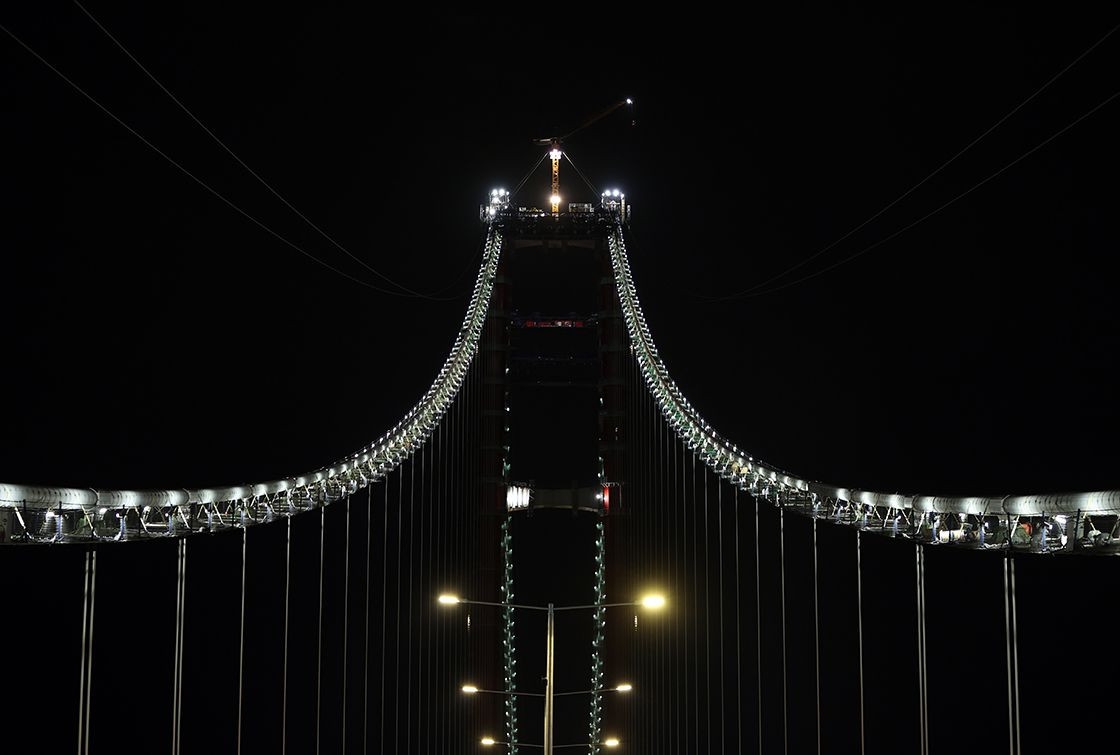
(152, 337)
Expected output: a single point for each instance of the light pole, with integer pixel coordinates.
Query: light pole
(652, 601)
(549, 686)
(490, 741)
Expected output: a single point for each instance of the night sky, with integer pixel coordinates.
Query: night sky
(153, 337)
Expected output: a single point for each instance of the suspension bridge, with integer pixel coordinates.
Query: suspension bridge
(300, 615)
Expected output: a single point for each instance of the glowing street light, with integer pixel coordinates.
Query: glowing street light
(651, 601)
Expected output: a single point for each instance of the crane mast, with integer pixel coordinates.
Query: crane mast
(555, 152)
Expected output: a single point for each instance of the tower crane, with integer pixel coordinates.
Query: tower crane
(556, 152)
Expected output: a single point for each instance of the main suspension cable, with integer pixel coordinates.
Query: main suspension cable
(241, 162)
(930, 214)
(225, 200)
(922, 182)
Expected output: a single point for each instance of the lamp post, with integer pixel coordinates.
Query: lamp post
(490, 742)
(549, 679)
(649, 601)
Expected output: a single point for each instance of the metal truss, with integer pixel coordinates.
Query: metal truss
(54, 514)
(1037, 523)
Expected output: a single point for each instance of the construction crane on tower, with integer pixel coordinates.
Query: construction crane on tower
(556, 152)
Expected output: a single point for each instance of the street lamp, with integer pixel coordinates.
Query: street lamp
(651, 601)
(490, 742)
(470, 689)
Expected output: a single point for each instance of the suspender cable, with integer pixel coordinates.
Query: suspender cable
(1015, 653)
(457, 639)
(918, 627)
(365, 626)
(287, 593)
(319, 636)
(738, 635)
(85, 651)
(859, 634)
(785, 680)
(689, 688)
(86, 672)
(177, 719)
(678, 586)
(408, 652)
(1010, 663)
(758, 618)
(816, 636)
(441, 575)
(445, 636)
(668, 513)
(345, 623)
(425, 591)
(241, 632)
(397, 610)
(384, 603)
(662, 556)
(707, 618)
(695, 600)
(722, 689)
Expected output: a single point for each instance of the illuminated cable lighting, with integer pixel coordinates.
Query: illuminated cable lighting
(595, 731)
(509, 637)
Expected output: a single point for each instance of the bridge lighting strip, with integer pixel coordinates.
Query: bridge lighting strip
(508, 635)
(595, 726)
(207, 508)
(763, 480)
